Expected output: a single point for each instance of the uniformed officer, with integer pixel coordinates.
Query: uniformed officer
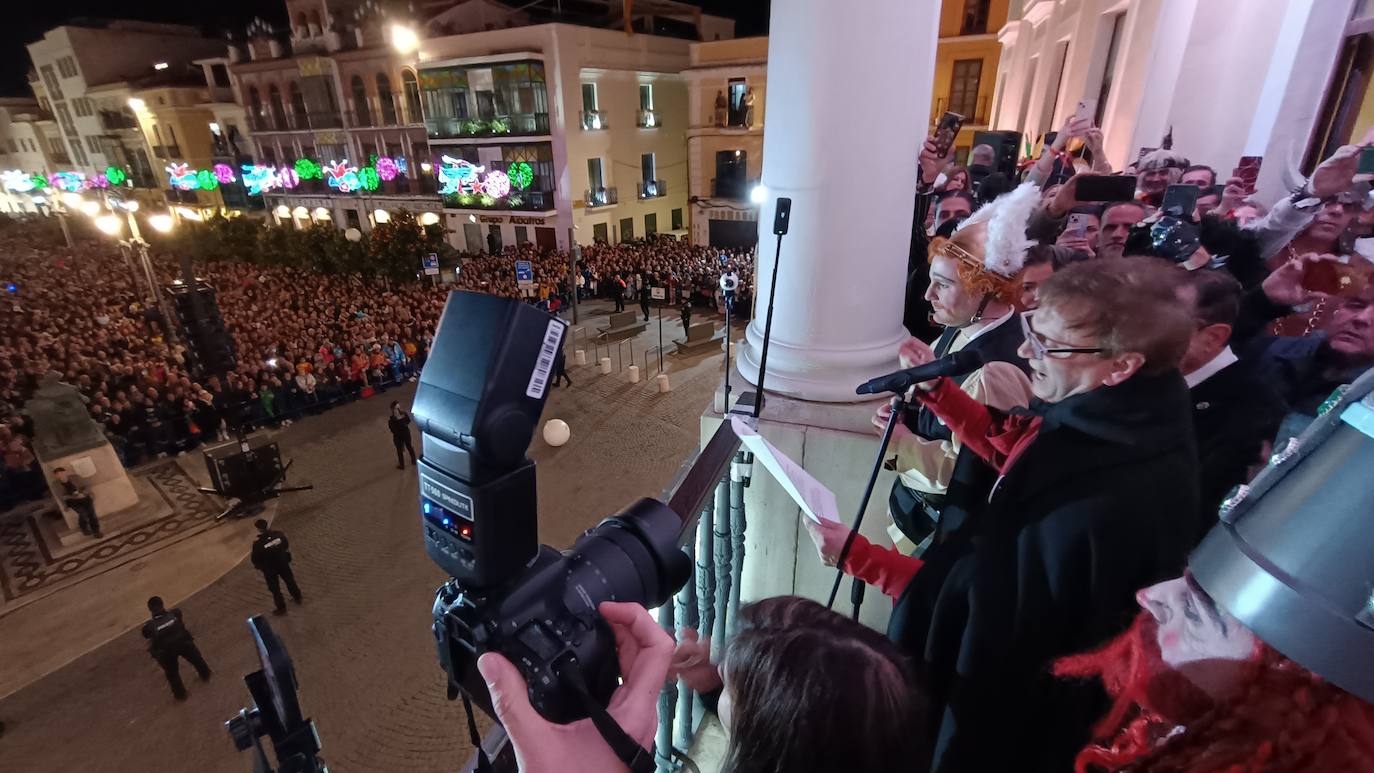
(168, 640)
(272, 557)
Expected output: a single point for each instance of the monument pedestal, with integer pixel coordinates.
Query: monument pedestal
(99, 471)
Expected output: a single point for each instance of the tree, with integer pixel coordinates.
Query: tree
(396, 247)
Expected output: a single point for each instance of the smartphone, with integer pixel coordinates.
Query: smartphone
(1180, 201)
(1248, 171)
(1334, 278)
(1086, 110)
(945, 132)
(1077, 227)
(1366, 161)
(1106, 187)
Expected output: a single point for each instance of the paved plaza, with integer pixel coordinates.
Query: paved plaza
(361, 641)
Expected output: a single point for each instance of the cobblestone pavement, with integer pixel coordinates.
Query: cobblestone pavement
(363, 652)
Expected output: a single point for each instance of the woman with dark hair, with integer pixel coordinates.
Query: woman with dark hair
(799, 687)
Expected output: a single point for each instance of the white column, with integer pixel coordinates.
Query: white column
(842, 143)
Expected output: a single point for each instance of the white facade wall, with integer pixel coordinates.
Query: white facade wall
(1229, 77)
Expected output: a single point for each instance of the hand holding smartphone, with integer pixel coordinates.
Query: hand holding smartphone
(1180, 201)
(1248, 171)
(946, 131)
(1105, 187)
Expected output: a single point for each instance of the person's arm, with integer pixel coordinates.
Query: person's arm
(1280, 226)
(886, 568)
(987, 432)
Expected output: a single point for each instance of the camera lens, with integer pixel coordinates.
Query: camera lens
(633, 556)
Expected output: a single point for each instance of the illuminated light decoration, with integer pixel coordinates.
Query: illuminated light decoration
(182, 177)
(98, 180)
(206, 180)
(115, 175)
(402, 165)
(260, 178)
(368, 178)
(458, 175)
(521, 175)
(40, 182)
(17, 180)
(387, 169)
(496, 184)
(341, 176)
(308, 170)
(71, 182)
(223, 173)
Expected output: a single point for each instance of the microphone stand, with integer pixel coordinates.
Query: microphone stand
(856, 594)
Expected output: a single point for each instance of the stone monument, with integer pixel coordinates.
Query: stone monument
(65, 435)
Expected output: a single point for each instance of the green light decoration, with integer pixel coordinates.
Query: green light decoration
(521, 175)
(466, 199)
(486, 200)
(206, 180)
(39, 182)
(369, 179)
(308, 170)
(115, 175)
(499, 126)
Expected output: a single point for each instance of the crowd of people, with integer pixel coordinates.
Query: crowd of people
(305, 341)
(1150, 339)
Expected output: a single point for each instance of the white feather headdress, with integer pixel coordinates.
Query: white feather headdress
(1006, 216)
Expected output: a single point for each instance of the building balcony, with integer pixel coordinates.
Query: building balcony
(60, 158)
(647, 119)
(594, 120)
(974, 114)
(517, 201)
(600, 197)
(167, 151)
(117, 120)
(733, 188)
(512, 125)
(653, 189)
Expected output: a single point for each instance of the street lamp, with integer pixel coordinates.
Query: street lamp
(72, 200)
(353, 235)
(381, 216)
(759, 194)
(404, 39)
(161, 223)
(429, 218)
(321, 213)
(109, 224)
(90, 208)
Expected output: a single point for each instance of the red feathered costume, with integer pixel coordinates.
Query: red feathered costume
(1284, 718)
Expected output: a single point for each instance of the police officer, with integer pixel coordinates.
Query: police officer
(399, 424)
(272, 557)
(168, 640)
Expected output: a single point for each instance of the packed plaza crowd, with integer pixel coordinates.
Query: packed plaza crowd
(305, 341)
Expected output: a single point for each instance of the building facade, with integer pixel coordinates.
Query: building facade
(337, 134)
(540, 131)
(966, 66)
(1289, 84)
(26, 138)
(727, 83)
(82, 76)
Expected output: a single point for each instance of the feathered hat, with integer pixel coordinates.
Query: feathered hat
(990, 246)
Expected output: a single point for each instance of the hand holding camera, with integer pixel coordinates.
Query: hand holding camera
(645, 651)
(692, 663)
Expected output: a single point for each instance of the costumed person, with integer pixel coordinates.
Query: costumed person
(1156, 172)
(974, 283)
(1257, 658)
(1077, 521)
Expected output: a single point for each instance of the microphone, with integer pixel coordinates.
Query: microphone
(957, 364)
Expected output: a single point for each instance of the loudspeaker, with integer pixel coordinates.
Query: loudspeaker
(244, 474)
(1006, 145)
(209, 346)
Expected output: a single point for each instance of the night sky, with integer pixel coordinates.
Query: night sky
(20, 29)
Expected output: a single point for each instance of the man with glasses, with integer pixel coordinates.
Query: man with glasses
(1097, 495)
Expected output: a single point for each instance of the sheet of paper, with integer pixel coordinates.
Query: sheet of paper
(817, 501)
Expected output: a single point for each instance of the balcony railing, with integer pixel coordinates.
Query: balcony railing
(652, 189)
(647, 119)
(601, 197)
(518, 201)
(734, 188)
(291, 122)
(977, 116)
(594, 120)
(167, 151)
(512, 125)
(114, 120)
(60, 158)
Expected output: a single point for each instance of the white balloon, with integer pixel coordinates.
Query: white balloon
(556, 432)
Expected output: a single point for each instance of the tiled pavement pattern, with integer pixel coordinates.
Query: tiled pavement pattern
(361, 642)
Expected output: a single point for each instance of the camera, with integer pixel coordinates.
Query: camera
(477, 405)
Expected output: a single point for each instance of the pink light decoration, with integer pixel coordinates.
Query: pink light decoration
(224, 173)
(497, 184)
(387, 168)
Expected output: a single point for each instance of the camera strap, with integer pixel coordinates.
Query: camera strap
(639, 759)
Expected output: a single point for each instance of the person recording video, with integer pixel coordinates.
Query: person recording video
(776, 676)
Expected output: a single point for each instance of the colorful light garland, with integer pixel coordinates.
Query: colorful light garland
(459, 177)
(261, 178)
(184, 178)
(17, 181)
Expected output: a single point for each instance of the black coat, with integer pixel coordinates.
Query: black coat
(1234, 413)
(1102, 503)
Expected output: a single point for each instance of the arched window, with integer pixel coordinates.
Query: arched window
(293, 91)
(274, 104)
(254, 105)
(386, 99)
(411, 88)
(361, 112)
(315, 21)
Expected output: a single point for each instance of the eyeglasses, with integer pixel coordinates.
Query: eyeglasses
(1039, 349)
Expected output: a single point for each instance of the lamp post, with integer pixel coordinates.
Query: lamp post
(112, 225)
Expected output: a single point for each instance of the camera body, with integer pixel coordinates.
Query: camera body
(477, 405)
